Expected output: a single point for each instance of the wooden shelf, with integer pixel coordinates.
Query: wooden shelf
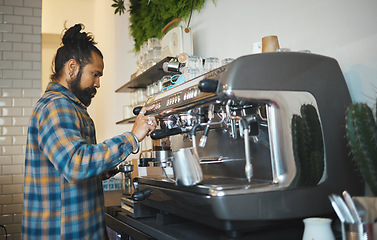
(151, 75)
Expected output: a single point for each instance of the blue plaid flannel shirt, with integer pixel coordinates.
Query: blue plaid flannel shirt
(63, 193)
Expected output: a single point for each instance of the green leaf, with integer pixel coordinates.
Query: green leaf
(147, 18)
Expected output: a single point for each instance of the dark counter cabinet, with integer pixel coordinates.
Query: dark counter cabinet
(170, 227)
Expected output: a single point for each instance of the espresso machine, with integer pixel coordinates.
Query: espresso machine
(256, 142)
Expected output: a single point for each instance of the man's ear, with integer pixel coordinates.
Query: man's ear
(73, 67)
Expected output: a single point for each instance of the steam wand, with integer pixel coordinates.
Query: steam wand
(248, 166)
(193, 132)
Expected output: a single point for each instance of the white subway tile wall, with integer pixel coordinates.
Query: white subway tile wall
(20, 87)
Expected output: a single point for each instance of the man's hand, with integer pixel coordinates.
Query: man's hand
(144, 125)
(108, 174)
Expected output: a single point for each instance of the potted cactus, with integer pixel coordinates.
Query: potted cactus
(362, 137)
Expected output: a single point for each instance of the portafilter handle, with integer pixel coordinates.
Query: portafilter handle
(140, 195)
(163, 133)
(144, 162)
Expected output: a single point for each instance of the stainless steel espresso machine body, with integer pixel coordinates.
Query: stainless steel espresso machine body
(268, 132)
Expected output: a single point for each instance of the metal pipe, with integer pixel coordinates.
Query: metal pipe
(203, 139)
(248, 166)
(193, 133)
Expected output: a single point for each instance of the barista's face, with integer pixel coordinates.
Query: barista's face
(87, 80)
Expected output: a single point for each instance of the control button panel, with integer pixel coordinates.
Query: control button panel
(191, 93)
(157, 105)
(173, 99)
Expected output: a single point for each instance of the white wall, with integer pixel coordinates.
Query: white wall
(342, 29)
(20, 88)
(50, 43)
(55, 13)
(113, 40)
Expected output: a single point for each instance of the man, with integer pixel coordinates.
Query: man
(63, 194)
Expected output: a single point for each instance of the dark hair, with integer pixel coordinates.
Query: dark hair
(75, 45)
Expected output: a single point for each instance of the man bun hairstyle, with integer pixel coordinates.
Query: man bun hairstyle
(77, 45)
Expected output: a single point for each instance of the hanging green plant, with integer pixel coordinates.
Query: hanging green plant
(119, 6)
(148, 17)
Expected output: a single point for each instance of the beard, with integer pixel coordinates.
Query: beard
(84, 95)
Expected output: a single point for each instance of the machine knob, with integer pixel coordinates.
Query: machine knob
(208, 85)
(136, 110)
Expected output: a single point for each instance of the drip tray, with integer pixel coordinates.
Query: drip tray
(209, 184)
(227, 181)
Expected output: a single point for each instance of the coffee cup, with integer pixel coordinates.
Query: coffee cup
(270, 43)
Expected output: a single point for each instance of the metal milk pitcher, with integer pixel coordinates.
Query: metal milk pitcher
(186, 167)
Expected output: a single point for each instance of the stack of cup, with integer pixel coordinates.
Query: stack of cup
(226, 61)
(154, 51)
(211, 63)
(193, 67)
(142, 58)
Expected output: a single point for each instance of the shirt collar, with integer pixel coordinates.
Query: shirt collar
(56, 87)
